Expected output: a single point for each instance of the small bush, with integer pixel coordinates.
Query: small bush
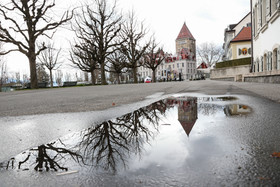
(236, 62)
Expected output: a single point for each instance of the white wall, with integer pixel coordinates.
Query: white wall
(268, 40)
(242, 24)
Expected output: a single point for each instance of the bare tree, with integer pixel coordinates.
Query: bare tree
(117, 64)
(28, 20)
(133, 34)
(18, 77)
(58, 77)
(153, 57)
(85, 59)
(25, 78)
(209, 53)
(3, 72)
(68, 76)
(49, 58)
(98, 28)
(42, 74)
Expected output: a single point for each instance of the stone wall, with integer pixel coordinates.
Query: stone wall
(234, 73)
(263, 77)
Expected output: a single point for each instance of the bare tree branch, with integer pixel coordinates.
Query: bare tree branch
(153, 57)
(28, 20)
(209, 53)
(132, 48)
(98, 28)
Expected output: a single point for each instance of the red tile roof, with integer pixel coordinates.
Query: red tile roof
(243, 35)
(185, 33)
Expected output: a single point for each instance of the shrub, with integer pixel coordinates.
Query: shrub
(236, 62)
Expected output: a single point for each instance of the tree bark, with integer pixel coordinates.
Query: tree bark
(92, 77)
(135, 75)
(154, 76)
(33, 72)
(118, 78)
(51, 78)
(103, 77)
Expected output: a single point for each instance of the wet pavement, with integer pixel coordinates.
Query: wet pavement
(166, 140)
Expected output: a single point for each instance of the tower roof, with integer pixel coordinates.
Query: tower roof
(185, 33)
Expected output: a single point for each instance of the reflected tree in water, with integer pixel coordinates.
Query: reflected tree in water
(112, 142)
(107, 145)
(48, 157)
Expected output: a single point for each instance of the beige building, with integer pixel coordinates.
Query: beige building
(181, 65)
(240, 45)
(231, 32)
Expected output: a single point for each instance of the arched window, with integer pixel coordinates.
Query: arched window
(274, 59)
(262, 62)
(269, 61)
(258, 65)
(278, 57)
(265, 62)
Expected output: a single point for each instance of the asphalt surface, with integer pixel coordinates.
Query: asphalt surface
(34, 117)
(93, 98)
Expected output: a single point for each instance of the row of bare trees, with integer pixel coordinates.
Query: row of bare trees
(101, 34)
(108, 42)
(105, 40)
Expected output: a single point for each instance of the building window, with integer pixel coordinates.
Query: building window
(274, 59)
(265, 62)
(261, 68)
(182, 64)
(269, 61)
(260, 14)
(263, 16)
(273, 6)
(268, 9)
(178, 65)
(278, 56)
(258, 65)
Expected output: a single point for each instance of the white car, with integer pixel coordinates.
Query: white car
(148, 80)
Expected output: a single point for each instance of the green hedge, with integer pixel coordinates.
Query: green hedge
(236, 62)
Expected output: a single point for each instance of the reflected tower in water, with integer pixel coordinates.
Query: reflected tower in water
(187, 111)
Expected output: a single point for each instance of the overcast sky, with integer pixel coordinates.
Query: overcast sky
(206, 19)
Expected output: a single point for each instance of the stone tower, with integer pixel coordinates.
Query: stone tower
(185, 42)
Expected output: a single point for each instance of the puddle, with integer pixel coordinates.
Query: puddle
(165, 134)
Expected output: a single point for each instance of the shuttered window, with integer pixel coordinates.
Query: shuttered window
(261, 64)
(278, 58)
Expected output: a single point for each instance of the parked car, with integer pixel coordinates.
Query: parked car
(148, 80)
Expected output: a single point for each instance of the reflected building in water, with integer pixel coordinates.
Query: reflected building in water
(236, 109)
(187, 111)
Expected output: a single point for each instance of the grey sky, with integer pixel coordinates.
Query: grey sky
(206, 20)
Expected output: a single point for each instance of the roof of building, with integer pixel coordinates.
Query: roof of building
(243, 35)
(185, 33)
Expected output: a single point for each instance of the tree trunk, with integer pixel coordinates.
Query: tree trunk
(51, 78)
(118, 78)
(135, 75)
(103, 77)
(33, 72)
(154, 75)
(92, 77)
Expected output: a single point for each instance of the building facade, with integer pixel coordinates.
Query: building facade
(182, 65)
(231, 32)
(266, 37)
(240, 45)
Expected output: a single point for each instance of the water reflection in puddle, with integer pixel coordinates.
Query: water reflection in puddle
(163, 134)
